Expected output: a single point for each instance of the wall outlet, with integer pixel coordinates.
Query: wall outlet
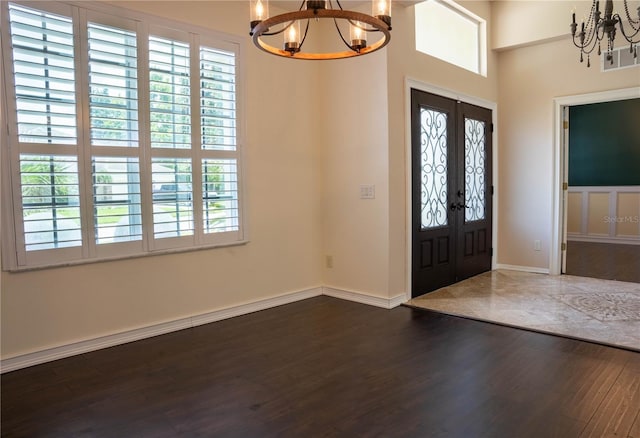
(536, 245)
(329, 261)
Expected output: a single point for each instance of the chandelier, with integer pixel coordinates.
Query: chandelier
(598, 28)
(289, 26)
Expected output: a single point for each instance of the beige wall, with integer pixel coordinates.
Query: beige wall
(525, 22)
(530, 78)
(404, 62)
(628, 215)
(354, 151)
(51, 307)
(308, 150)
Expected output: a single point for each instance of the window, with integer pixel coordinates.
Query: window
(123, 136)
(448, 31)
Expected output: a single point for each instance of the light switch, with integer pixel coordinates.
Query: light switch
(367, 191)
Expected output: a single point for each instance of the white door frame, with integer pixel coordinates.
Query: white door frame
(409, 84)
(559, 226)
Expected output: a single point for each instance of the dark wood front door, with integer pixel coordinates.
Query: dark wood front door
(451, 191)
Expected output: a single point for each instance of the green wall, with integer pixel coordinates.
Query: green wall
(604, 144)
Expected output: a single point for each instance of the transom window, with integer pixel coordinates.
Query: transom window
(122, 138)
(449, 32)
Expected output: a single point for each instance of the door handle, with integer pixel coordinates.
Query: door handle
(458, 206)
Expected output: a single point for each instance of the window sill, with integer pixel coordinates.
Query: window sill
(123, 257)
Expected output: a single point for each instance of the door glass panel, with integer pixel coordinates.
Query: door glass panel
(433, 164)
(474, 170)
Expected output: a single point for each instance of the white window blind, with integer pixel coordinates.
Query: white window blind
(117, 199)
(43, 64)
(218, 99)
(218, 124)
(99, 169)
(113, 86)
(50, 201)
(170, 93)
(172, 206)
(220, 195)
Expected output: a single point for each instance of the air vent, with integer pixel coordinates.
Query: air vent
(622, 58)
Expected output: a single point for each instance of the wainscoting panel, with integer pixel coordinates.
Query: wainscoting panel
(604, 214)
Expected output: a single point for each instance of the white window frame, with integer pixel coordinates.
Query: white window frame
(14, 254)
(480, 66)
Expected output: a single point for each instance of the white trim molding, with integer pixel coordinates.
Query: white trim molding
(51, 354)
(531, 269)
(86, 346)
(604, 239)
(364, 298)
(610, 216)
(409, 84)
(560, 170)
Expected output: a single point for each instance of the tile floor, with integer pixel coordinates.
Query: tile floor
(602, 311)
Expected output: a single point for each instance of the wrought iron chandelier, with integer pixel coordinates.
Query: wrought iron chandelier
(597, 28)
(290, 23)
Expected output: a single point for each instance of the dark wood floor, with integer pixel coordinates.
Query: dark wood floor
(326, 367)
(608, 261)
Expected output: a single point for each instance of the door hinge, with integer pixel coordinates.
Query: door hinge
(492, 127)
(563, 247)
(491, 252)
(491, 190)
(565, 186)
(565, 124)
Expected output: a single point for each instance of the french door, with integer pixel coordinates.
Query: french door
(451, 191)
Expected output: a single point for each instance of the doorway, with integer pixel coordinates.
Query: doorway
(603, 200)
(451, 214)
(559, 240)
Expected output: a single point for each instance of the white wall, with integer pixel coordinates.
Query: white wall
(52, 307)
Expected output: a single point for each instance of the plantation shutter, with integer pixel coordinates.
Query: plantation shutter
(218, 140)
(110, 156)
(45, 104)
(114, 134)
(43, 61)
(171, 139)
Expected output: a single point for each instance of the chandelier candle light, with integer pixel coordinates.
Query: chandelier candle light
(598, 28)
(290, 24)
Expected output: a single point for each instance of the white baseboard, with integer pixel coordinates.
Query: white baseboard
(51, 354)
(605, 239)
(255, 306)
(523, 268)
(364, 298)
